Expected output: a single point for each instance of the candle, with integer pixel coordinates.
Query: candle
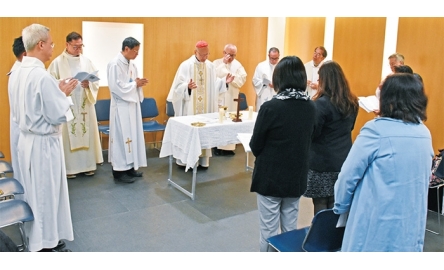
(250, 112)
(221, 115)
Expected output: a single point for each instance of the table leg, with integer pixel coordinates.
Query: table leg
(191, 194)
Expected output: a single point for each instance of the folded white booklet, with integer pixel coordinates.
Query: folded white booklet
(92, 77)
(370, 103)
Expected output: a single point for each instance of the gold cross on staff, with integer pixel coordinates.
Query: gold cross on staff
(84, 115)
(128, 141)
(238, 99)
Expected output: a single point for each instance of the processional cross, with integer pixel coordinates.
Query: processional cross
(238, 99)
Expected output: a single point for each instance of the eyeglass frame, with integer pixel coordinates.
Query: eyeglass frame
(77, 47)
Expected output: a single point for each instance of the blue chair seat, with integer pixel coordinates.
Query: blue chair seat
(290, 241)
(104, 129)
(153, 126)
(321, 236)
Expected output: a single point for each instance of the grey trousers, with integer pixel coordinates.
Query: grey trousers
(276, 213)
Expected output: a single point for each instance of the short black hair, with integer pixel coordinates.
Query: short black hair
(403, 98)
(18, 48)
(290, 73)
(403, 69)
(130, 42)
(73, 36)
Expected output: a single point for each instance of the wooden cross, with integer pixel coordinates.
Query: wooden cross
(128, 141)
(84, 115)
(238, 99)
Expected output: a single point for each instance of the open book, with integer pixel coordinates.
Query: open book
(370, 103)
(92, 77)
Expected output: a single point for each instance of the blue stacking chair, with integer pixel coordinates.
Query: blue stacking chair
(149, 110)
(321, 236)
(12, 211)
(102, 112)
(16, 212)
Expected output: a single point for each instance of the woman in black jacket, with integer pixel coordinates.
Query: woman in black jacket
(336, 112)
(281, 142)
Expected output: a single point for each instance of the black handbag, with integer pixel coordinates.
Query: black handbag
(437, 177)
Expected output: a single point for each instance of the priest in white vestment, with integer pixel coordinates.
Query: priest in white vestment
(196, 89)
(41, 105)
(312, 68)
(81, 141)
(126, 139)
(262, 78)
(14, 132)
(224, 66)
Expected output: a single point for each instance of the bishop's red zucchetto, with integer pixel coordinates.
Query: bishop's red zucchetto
(201, 44)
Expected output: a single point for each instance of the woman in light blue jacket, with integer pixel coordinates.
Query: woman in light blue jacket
(383, 183)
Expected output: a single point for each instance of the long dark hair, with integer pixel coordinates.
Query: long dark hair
(403, 98)
(290, 73)
(332, 83)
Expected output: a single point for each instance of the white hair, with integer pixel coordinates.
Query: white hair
(33, 34)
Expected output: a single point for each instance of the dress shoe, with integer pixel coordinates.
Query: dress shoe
(228, 153)
(124, 178)
(55, 250)
(60, 245)
(90, 173)
(220, 152)
(134, 173)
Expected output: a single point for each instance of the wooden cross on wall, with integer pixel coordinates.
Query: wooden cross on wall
(238, 99)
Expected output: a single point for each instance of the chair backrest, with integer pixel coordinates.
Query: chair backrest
(9, 187)
(149, 108)
(102, 109)
(323, 235)
(169, 109)
(14, 211)
(5, 167)
(243, 103)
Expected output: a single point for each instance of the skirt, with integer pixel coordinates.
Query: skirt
(320, 184)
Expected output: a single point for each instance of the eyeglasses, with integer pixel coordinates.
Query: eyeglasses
(231, 55)
(136, 51)
(274, 59)
(52, 43)
(77, 47)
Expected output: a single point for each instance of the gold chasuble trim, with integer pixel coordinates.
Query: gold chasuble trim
(200, 97)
